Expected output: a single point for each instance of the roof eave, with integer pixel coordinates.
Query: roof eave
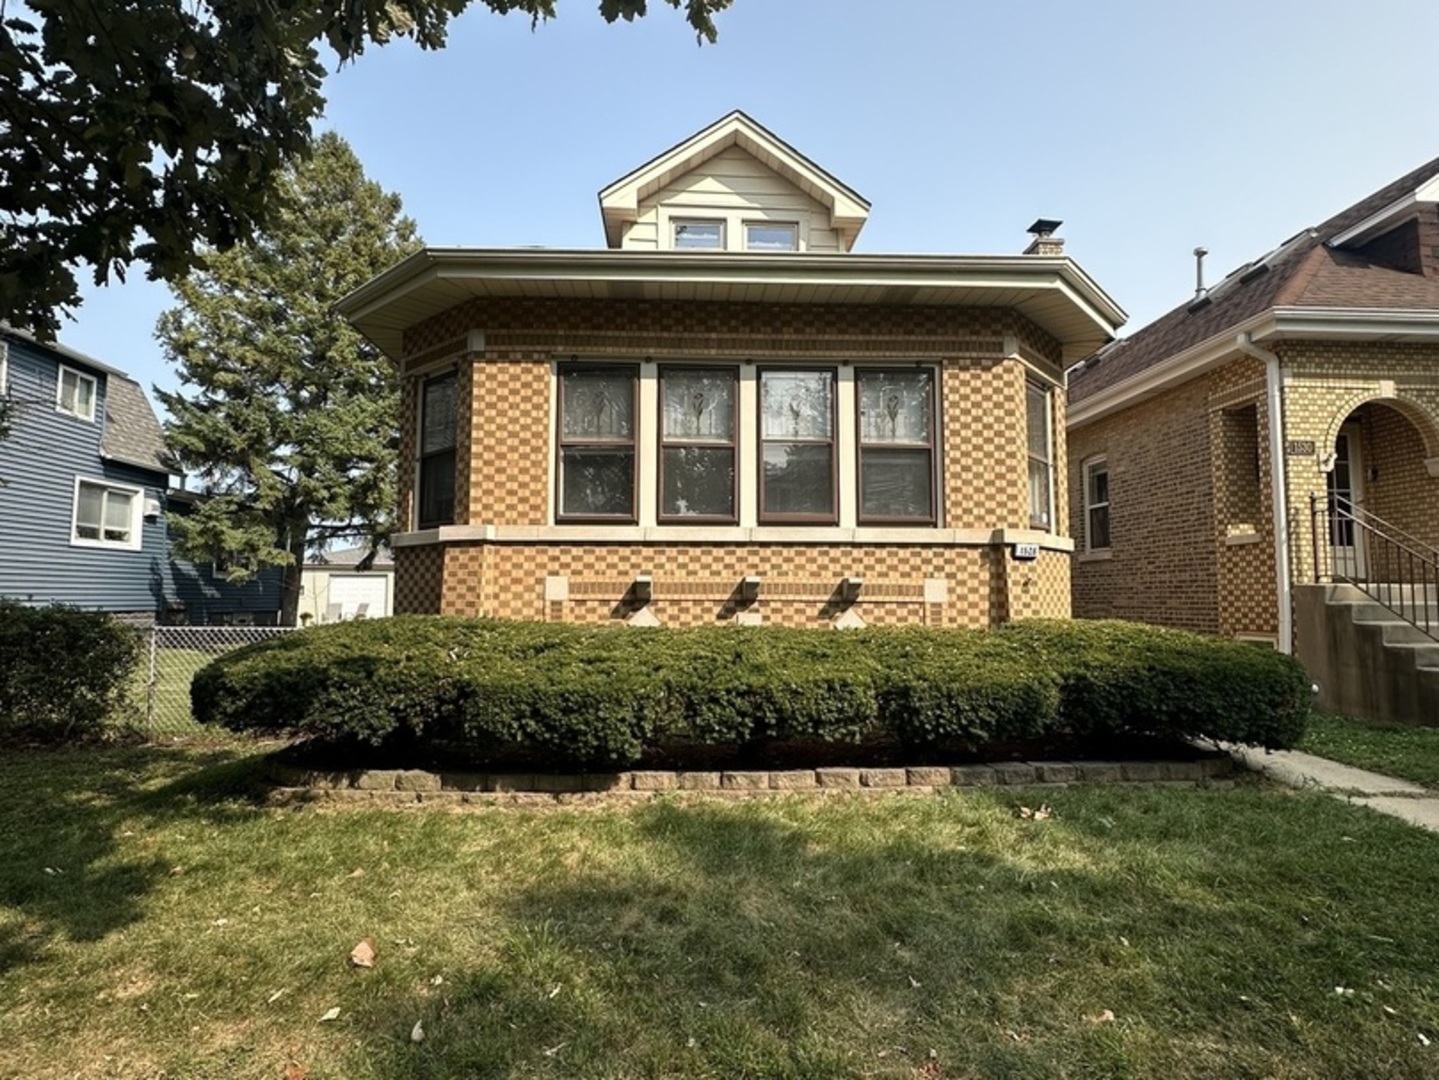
(1274, 324)
(1000, 273)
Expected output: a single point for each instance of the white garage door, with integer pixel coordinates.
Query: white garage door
(352, 590)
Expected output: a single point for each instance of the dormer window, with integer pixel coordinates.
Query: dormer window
(771, 236)
(75, 394)
(694, 235)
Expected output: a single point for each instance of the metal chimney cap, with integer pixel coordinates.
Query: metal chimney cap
(1043, 227)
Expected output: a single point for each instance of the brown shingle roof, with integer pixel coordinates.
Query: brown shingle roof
(131, 433)
(1303, 272)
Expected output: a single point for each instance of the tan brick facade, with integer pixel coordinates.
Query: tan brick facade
(1190, 480)
(505, 352)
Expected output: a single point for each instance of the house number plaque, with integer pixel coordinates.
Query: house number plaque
(1026, 552)
(1299, 448)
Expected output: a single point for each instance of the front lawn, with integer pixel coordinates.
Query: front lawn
(1409, 753)
(150, 927)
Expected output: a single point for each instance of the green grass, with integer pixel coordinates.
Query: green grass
(1406, 752)
(172, 719)
(155, 921)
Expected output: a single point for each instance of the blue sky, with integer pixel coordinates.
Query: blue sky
(1148, 128)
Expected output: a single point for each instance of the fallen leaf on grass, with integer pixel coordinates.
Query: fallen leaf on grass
(363, 955)
(1036, 813)
(1423, 1039)
(358, 871)
(176, 871)
(1105, 1017)
(417, 1033)
(294, 1072)
(552, 1051)
(330, 1014)
(275, 996)
(438, 980)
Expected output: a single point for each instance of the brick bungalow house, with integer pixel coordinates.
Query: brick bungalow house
(1192, 509)
(728, 415)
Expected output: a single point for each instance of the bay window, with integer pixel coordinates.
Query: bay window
(597, 442)
(797, 446)
(1040, 438)
(698, 468)
(438, 401)
(896, 446)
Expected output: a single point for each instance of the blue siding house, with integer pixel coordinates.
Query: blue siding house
(84, 489)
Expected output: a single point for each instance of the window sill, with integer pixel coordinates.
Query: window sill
(1102, 555)
(731, 534)
(104, 545)
(1241, 539)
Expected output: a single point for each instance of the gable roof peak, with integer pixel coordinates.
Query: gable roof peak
(620, 200)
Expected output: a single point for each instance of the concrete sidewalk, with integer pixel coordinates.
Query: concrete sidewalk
(1398, 798)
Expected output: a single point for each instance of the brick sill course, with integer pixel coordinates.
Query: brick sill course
(407, 787)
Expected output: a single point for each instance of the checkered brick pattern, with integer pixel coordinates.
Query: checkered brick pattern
(419, 580)
(1038, 589)
(986, 477)
(405, 478)
(698, 584)
(616, 327)
(508, 482)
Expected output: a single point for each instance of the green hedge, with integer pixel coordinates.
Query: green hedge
(63, 672)
(583, 697)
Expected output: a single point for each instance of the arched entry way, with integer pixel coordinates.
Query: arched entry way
(1383, 496)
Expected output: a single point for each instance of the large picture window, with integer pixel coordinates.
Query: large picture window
(1039, 428)
(106, 515)
(1096, 505)
(896, 446)
(437, 451)
(698, 474)
(797, 448)
(597, 443)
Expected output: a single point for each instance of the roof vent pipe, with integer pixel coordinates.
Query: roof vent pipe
(1199, 290)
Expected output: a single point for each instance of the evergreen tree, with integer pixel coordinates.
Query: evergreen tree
(286, 414)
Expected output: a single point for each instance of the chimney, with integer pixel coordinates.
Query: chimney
(1044, 242)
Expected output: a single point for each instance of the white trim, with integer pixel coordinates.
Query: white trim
(827, 535)
(4, 367)
(80, 376)
(1381, 221)
(1090, 551)
(137, 521)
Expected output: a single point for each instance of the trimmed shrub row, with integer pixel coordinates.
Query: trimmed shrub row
(63, 672)
(580, 697)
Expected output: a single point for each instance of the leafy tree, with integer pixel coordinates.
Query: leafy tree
(148, 130)
(286, 413)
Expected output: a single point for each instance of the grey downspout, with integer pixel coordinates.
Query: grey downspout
(1279, 488)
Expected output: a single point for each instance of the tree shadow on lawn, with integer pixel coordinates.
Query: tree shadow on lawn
(65, 869)
(756, 941)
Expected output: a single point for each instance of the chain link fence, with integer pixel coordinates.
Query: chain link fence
(170, 656)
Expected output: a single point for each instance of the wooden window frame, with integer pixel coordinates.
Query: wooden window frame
(421, 456)
(562, 444)
(1090, 467)
(669, 444)
(932, 447)
(764, 517)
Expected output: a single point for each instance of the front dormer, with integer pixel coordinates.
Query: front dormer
(732, 187)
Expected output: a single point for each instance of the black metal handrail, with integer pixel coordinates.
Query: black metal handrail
(1381, 560)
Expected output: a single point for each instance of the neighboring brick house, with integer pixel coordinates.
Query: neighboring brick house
(1173, 460)
(729, 416)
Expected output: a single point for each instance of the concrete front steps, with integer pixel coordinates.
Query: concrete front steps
(1366, 660)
